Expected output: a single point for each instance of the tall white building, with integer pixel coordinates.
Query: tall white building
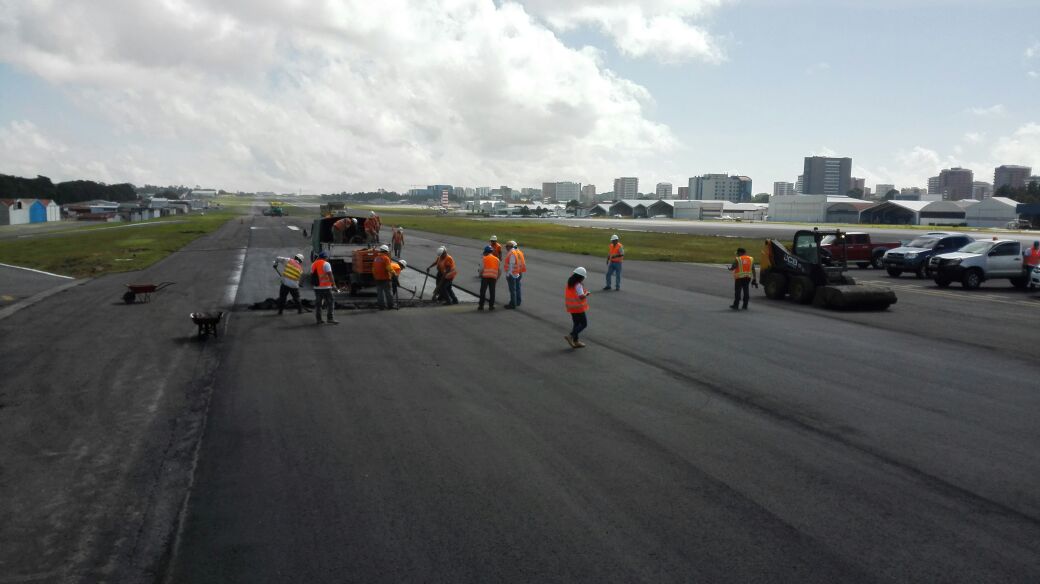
(626, 187)
(483, 192)
(799, 185)
(720, 187)
(588, 194)
(568, 191)
(781, 189)
(664, 190)
(882, 189)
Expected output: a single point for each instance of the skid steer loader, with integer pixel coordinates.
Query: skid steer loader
(808, 274)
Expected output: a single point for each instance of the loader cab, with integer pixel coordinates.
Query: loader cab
(807, 246)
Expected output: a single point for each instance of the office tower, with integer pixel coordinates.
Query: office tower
(664, 190)
(1011, 175)
(588, 194)
(824, 175)
(953, 184)
(626, 187)
(781, 189)
(720, 187)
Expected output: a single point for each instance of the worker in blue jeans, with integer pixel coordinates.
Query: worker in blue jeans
(615, 257)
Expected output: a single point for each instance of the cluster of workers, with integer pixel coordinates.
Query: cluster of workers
(495, 262)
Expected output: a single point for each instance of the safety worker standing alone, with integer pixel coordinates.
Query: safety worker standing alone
(513, 273)
(397, 240)
(290, 275)
(615, 256)
(743, 269)
(381, 273)
(324, 284)
(488, 278)
(576, 300)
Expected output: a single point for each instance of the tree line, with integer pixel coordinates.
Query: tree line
(75, 191)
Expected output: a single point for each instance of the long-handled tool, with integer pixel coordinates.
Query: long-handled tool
(424, 284)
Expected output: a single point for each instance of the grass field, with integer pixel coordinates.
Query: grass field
(667, 247)
(96, 251)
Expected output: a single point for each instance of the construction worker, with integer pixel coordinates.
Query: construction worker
(290, 275)
(523, 270)
(396, 267)
(1031, 257)
(488, 278)
(324, 284)
(513, 265)
(381, 273)
(398, 241)
(576, 299)
(339, 229)
(615, 256)
(743, 269)
(496, 249)
(445, 277)
(372, 225)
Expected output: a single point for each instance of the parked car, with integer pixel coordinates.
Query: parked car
(1034, 279)
(980, 261)
(914, 256)
(857, 248)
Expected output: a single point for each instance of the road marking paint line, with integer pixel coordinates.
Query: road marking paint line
(85, 231)
(293, 227)
(231, 288)
(37, 271)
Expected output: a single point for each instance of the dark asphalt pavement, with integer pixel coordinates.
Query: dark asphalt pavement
(17, 284)
(686, 443)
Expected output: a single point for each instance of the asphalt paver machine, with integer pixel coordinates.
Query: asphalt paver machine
(806, 274)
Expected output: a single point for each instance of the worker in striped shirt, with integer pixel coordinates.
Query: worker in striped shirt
(289, 275)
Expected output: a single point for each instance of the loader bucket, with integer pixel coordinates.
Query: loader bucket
(854, 297)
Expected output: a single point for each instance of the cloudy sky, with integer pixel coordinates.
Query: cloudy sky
(324, 96)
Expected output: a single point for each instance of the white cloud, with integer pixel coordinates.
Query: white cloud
(1033, 51)
(662, 29)
(974, 137)
(1032, 74)
(992, 111)
(1022, 147)
(258, 94)
(815, 68)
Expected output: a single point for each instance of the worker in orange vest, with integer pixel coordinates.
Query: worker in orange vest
(395, 277)
(372, 225)
(398, 241)
(339, 229)
(495, 247)
(290, 276)
(381, 273)
(488, 278)
(445, 277)
(615, 256)
(324, 283)
(514, 270)
(743, 269)
(576, 300)
(1031, 256)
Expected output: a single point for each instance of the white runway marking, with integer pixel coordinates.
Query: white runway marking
(293, 227)
(37, 271)
(231, 289)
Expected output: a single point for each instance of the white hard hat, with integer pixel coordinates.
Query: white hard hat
(384, 248)
(511, 243)
(441, 250)
(371, 213)
(494, 238)
(403, 263)
(299, 257)
(580, 271)
(614, 237)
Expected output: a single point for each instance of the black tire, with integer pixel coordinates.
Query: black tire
(354, 289)
(876, 261)
(942, 282)
(1020, 282)
(894, 272)
(862, 265)
(972, 279)
(801, 290)
(774, 285)
(128, 297)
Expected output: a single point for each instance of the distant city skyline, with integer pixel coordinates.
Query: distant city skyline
(267, 97)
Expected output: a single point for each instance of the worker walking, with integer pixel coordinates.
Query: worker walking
(381, 273)
(372, 225)
(743, 269)
(488, 278)
(397, 240)
(513, 270)
(324, 283)
(576, 299)
(445, 277)
(615, 256)
(290, 275)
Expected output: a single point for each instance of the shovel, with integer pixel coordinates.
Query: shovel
(423, 285)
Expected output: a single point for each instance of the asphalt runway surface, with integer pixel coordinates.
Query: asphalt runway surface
(687, 443)
(17, 284)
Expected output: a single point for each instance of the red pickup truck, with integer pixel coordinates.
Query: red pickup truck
(856, 249)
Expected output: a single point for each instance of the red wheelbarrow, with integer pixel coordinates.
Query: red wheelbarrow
(207, 322)
(142, 290)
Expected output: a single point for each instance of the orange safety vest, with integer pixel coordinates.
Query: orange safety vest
(341, 225)
(575, 303)
(617, 253)
(398, 237)
(324, 279)
(1032, 257)
(293, 270)
(372, 224)
(447, 267)
(491, 267)
(744, 267)
(381, 267)
(395, 268)
(518, 261)
(523, 261)
(496, 249)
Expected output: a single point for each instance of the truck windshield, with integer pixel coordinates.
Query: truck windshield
(977, 247)
(923, 242)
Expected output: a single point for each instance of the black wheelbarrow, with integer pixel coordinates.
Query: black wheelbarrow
(207, 322)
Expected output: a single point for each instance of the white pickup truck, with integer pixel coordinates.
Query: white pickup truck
(980, 261)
